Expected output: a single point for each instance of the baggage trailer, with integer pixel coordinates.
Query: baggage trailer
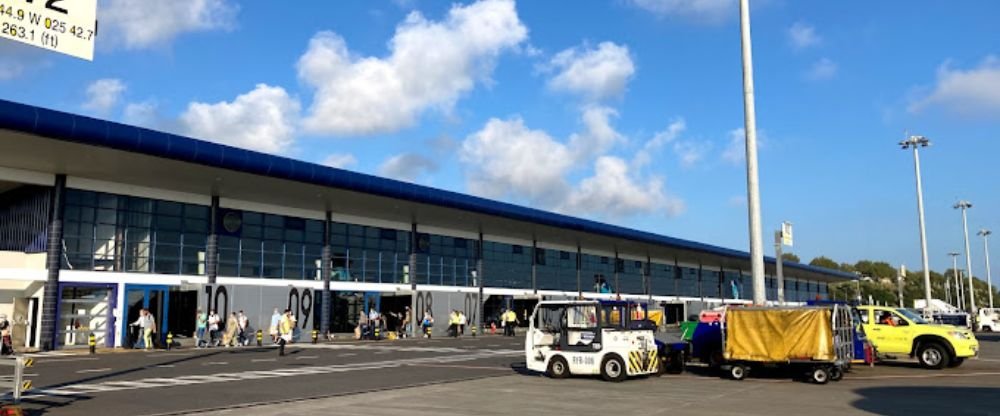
(815, 339)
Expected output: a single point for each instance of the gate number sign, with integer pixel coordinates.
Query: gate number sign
(64, 26)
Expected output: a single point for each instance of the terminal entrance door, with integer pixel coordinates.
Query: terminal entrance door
(155, 299)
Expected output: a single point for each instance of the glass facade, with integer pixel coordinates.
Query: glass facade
(132, 234)
(556, 270)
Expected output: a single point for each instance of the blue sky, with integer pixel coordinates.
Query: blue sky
(623, 111)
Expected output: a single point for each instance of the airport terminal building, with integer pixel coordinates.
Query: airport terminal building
(100, 219)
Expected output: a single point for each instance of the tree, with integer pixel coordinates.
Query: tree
(876, 269)
(824, 262)
(790, 257)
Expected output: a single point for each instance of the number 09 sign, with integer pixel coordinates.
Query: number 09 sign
(65, 26)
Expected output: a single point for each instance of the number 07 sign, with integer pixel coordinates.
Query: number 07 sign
(65, 26)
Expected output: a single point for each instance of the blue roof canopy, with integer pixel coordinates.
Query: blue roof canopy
(89, 131)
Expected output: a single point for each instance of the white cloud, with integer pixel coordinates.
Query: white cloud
(340, 160)
(407, 167)
(141, 114)
(691, 152)
(735, 151)
(614, 191)
(596, 74)
(969, 93)
(645, 155)
(598, 136)
(505, 159)
(510, 161)
(140, 24)
(823, 69)
(803, 35)
(103, 95)
(700, 10)
(263, 120)
(430, 66)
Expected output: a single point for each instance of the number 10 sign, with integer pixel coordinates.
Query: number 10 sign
(65, 26)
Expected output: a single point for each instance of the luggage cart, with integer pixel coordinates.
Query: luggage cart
(818, 340)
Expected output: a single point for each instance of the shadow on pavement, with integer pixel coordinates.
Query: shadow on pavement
(928, 400)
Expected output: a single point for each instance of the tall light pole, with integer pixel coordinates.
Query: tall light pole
(958, 282)
(753, 186)
(986, 252)
(916, 142)
(964, 206)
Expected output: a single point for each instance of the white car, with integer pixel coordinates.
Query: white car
(587, 338)
(989, 320)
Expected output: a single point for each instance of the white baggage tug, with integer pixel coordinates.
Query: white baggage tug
(587, 338)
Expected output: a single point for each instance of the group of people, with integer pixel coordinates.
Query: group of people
(456, 323)
(237, 329)
(282, 329)
(146, 324)
(509, 321)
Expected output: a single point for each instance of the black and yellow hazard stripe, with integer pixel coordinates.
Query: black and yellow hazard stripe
(642, 362)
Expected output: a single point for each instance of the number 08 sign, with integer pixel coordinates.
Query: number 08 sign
(65, 26)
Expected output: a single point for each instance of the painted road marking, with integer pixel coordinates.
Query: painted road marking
(263, 360)
(346, 354)
(82, 389)
(63, 360)
(93, 370)
(216, 363)
(307, 357)
(466, 367)
(165, 366)
(169, 354)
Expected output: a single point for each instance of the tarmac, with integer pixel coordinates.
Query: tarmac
(473, 376)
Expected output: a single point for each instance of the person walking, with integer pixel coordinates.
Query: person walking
(273, 329)
(200, 325)
(427, 324)
(232, 325)
(244, 323)
(286, 326)
(510, 321)
(213, 327)
(462, 322)
(6, 344)
(407, 323)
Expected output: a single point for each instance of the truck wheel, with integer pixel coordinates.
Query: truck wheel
(738, 372)
(836, 374)
(675, 365)
(820, 375)
(933, 356)
(987, 329)
(558, 368)
(955, 362)
(613, 368)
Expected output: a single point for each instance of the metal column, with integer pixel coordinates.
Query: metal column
(326, 270)
(53, 262)
(212, 245)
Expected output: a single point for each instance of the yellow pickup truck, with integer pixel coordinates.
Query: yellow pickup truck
(898, 332)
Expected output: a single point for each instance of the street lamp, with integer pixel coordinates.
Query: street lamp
(958, 283)
(916, 142)
(964, 206)
(986, 250)
(753, 185)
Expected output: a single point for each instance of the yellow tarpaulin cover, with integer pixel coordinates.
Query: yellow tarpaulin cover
(779, 335)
